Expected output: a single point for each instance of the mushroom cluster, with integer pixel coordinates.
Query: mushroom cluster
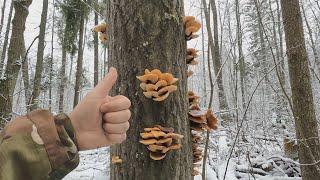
(192, 54)
(191, 26)
(199, 121)
(102, 30)
(157, 85)
(160, 140)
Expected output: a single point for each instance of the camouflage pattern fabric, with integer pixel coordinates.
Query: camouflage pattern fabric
(38, 146)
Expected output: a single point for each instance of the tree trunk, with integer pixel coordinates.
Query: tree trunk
(302, 96)
(6, 40)
(79, 61)
(313, 45)
(214, 43)
(8, 84)
(241, 62)
(96, 48)
(150, 35)
(2, 15)
(51, 56)
(217, 61)
(38, 73)
(62, 76)
(203, 63)
(25, 76)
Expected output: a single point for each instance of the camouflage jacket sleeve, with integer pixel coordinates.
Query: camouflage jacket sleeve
(38, 146)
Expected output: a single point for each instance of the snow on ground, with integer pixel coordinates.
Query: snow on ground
(94, 164)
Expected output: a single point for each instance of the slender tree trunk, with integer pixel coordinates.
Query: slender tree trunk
(6, 40)
(203, 62)
(302, 96)
(51, 56)
(25, 76)
(39, 65)
(8, 84)
(214, 46)
(241, 62)
(310, 33)
(62, 76)
(150, 35)
(3, 9)
(96, 48)
(79, 62)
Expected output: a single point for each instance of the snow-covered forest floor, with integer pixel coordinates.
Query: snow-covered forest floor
(259, 145)
(263, 162)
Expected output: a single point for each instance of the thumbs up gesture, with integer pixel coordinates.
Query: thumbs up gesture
(99, 119)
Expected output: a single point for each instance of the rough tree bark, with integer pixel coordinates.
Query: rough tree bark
(302, 96)
(8, 84)
(38, 73)
(6, 40)
(147, 35)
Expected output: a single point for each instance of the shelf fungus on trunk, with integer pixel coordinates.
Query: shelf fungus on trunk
(102, 30)
(191, 56)
(160, 140)
(191, 26)
(157, 85)
(200, 120)
(116, 160)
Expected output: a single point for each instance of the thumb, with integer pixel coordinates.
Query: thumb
(105, 85)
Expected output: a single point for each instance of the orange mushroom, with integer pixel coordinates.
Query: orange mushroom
(116, 160)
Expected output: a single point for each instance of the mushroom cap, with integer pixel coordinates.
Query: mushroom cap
(165, 141)
(152, 129)
(155, 148)
(162, 98)
(167, 89)
(188, 18)
(212, 121)
(192, 52)
(199, 120)
(100, 28)
(161, 83)
(157, 72)
(153, 78)
(157, 156)
(158, 134)
(148, 141)
(165, 129)
(151, 94)
(197, 113)
(175, 136)
(151, 87)
(175, 146)
(169, 78)
(116, 160)
(194, 107)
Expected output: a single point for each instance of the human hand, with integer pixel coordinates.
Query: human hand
(101, 120)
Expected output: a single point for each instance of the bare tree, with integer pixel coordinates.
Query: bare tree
(8, 84)
(79, 70)
(39, 65)
(6, 40)
(215, 53)
(302, 96)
